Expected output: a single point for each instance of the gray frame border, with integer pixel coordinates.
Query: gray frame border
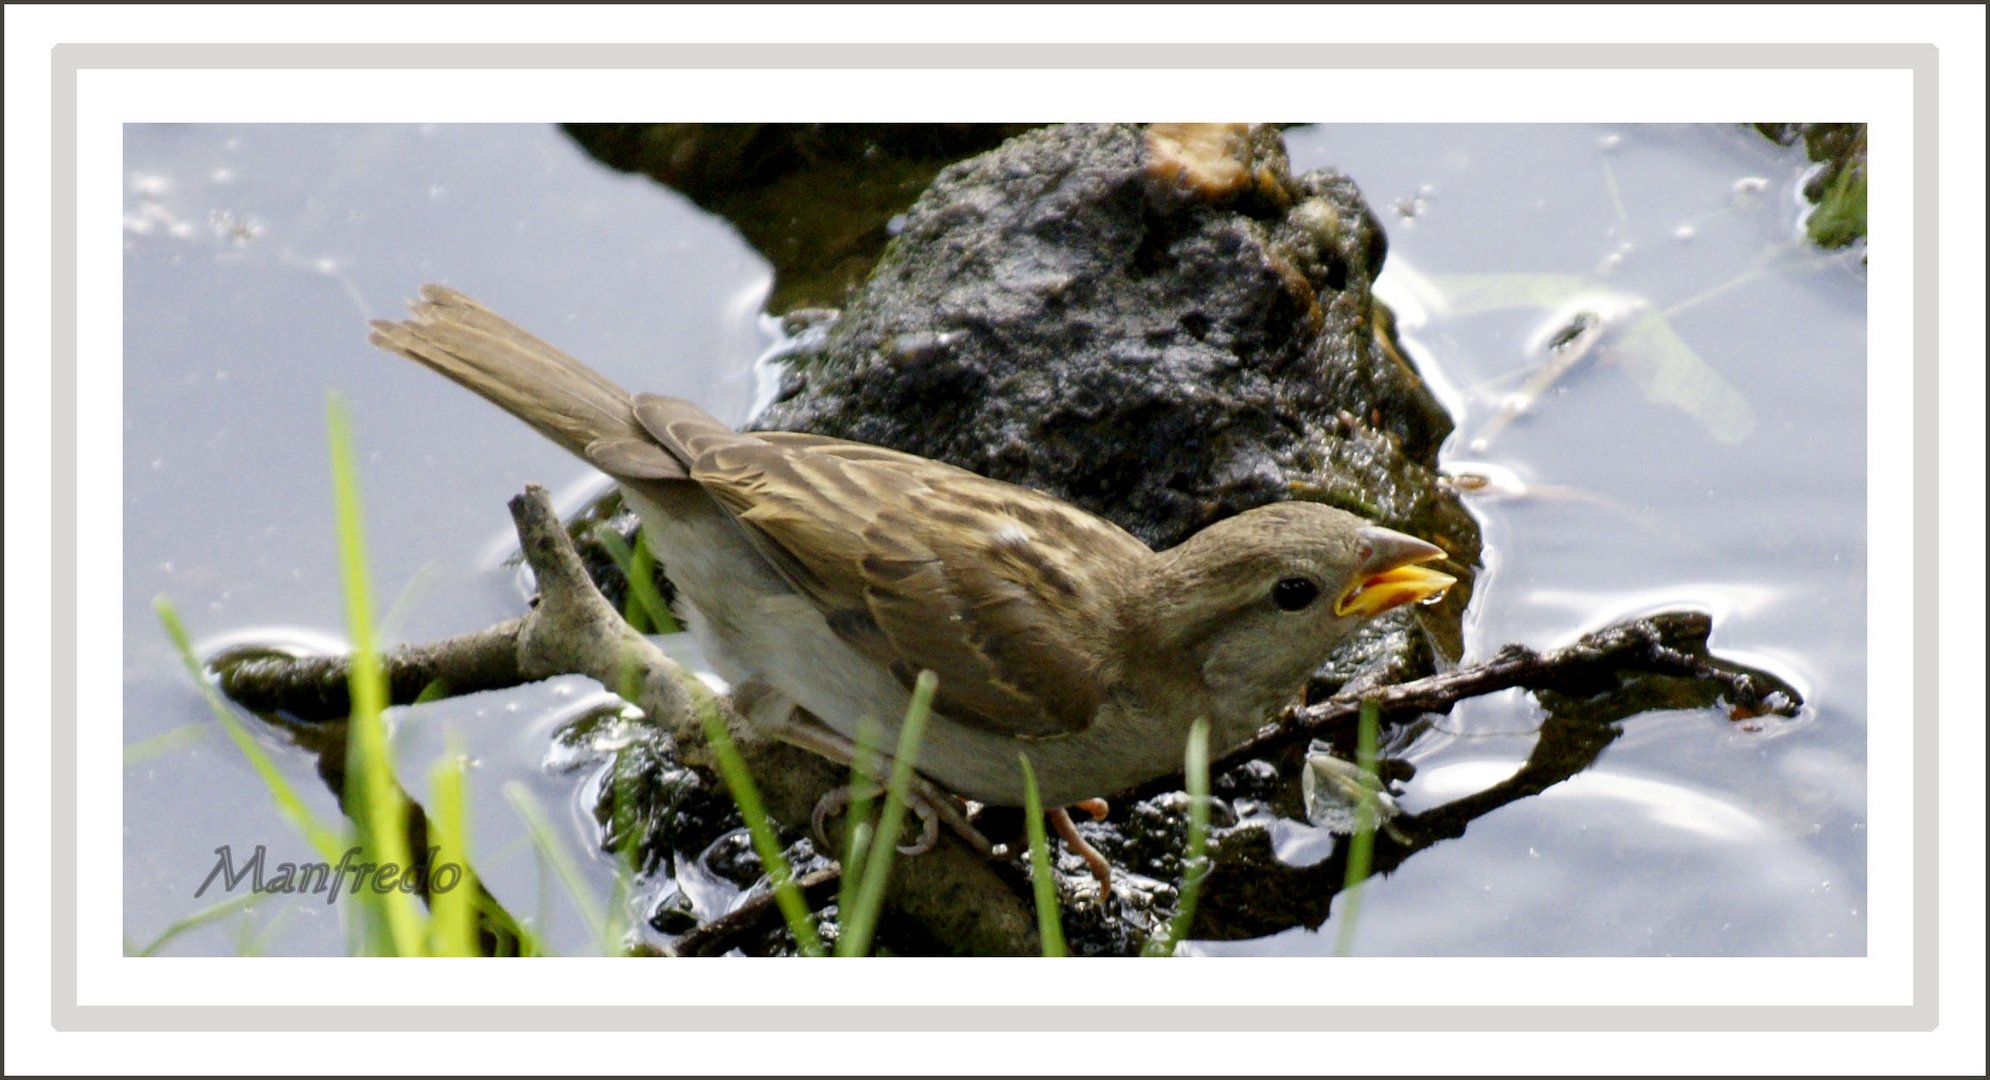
(68, 1015)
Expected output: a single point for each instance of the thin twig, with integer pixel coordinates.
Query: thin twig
(1672, 643)
(758, 912)
(314, 688)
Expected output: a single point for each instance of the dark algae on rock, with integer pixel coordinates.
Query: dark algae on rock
(1838, 188)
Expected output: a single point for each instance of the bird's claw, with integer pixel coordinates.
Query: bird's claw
(833, 801)
(930, 815)
(929, 825)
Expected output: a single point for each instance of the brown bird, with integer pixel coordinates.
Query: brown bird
(821, 576)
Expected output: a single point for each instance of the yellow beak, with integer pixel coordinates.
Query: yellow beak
(1388, 576)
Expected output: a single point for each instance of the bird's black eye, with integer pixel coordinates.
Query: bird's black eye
(1293, 593)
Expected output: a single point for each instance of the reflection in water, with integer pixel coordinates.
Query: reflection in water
(1601, 795)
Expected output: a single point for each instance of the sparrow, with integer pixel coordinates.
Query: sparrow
(822, 576)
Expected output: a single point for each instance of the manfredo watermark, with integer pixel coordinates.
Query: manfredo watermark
(431, 876)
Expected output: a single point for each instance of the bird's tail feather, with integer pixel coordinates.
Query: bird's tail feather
(562, 398)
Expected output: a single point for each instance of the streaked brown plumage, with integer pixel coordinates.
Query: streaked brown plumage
(824, 575)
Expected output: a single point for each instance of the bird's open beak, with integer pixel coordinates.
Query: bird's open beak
(1388, 577)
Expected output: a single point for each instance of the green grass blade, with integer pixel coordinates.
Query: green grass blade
(1361, 844)
(860, 924)
(623, 826)
(639, 567)
(197, 920)
(370, 786)
(510, 938)
(1195, 861)
(858, 828)
(408, 600)
(166, 742)
(794, 907)
(1048, 925)
(642, 586)
(453, 910)
(547, 840)
(260, 943)
(1840, 217)
(328, 842)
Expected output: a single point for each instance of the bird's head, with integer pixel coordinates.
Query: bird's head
(1256, 602)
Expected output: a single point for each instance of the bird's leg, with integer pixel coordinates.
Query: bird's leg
(1060, 819)
(933, 805)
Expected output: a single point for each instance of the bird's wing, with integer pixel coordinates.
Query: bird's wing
(921, 565)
